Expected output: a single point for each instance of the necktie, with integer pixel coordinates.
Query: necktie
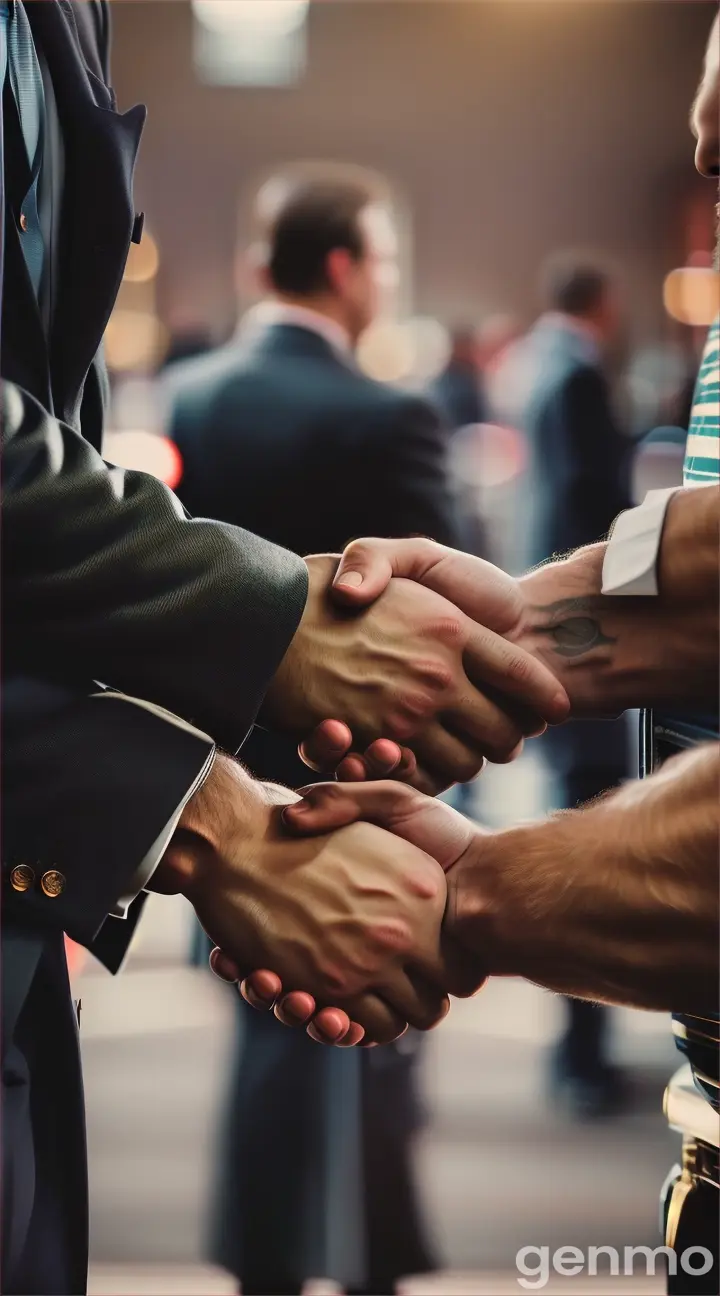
(23, 69)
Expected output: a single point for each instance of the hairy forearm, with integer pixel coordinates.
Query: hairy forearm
(614, 652)
(616, 902)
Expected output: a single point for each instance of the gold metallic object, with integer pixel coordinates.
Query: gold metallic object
(22, 878)
(53, 883)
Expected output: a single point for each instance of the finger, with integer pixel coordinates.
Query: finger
(491, 660)
(355, 1036)
(381, 1022)
(383, 759)
(447, 757)
(328, 806)
(326, 746)
(367, 566)
(463, 973)
(330, 1026)
(353, 769)
(482, 726)
(296, 1009)
(225, 968)
(260, 990)
(416, 999)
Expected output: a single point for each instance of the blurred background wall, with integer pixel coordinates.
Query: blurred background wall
(509, 127)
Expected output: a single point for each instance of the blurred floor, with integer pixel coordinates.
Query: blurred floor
(499, 1169)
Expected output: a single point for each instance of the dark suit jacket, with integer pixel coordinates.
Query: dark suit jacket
(104, 578)
(88, 783)
(284, 435)
(579, 482)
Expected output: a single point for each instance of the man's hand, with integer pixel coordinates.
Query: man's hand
(423, 822)
(353, 916)
(617, 901)
(401, 669)
(609, 653)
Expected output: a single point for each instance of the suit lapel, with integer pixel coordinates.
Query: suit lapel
(97, 213)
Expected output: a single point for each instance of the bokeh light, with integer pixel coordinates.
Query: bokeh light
(145, 452)
(385, 352)
(134, 340)
(691, 295)
(431, 346)
(275, 18)
(143, 261)
(485, 455)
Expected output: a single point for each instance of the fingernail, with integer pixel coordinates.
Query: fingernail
(352, 579)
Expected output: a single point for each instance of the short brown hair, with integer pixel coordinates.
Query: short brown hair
(574, 284)
(313, 217)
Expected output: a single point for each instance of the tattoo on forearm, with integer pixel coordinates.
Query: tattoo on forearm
(573, 625)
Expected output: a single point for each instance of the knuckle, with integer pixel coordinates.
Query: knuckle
(449, 629)
(435, 673)
(521, 667)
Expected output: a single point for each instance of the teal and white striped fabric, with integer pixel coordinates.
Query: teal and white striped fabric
(702, 452)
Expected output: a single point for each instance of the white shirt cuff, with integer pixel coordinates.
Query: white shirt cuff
(630, 564)
(147, 866)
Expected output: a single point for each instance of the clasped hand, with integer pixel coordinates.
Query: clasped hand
(349, 913)
(435, 842)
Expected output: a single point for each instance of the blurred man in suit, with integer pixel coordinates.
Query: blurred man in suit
(282, 430)
(458, 390)
(578, 484)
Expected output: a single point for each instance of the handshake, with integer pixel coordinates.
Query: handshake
(370, 896)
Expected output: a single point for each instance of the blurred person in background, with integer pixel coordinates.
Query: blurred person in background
(578, 483)
(458, 390)
(458, 395)
(281, 429)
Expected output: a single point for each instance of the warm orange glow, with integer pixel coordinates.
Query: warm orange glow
(134, 340)
(145, 452)
(143, 260)
(692, 295)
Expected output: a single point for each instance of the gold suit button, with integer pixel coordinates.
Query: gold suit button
(22, 878)
(23, 222)
(53, 882)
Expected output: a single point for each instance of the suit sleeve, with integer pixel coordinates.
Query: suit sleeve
(90, 782)
(599, 454)
(106, 577)
(408, 489)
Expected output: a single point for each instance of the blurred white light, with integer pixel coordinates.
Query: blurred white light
(275, 18)
(431, 347)
(144, 452)
(484, 455)
(385, 352)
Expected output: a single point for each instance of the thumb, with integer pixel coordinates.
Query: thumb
(326, 746)
(365, 571)
(367, 567)
(324, 807)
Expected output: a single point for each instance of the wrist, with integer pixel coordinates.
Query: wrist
(688, 560)
(559, 625)
(508, 899)
(289, 705)
(224, 806)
